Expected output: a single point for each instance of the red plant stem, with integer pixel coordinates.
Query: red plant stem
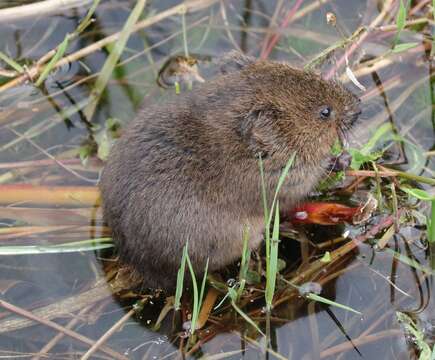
(265, 54)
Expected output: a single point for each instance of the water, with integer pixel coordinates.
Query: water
(38, 123)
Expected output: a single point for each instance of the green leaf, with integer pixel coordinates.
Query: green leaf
(359, 158)
(253, 277)
(400, 20)
(273, 261)
(180, 278)
(87, 20)
(404, 46)
(59, 53)
(329, 181)
(11, 62)
(418, 193)
(380, 133)
(430, 223)
(326, 258)
(76, 246)
(281, 265)
(432, 52)
(337, 148)
(233, 296)
(104, 145)
(411, 262)
(401, 16)
(416, 334)
(112, 59)
(244, 263)
(321, 299)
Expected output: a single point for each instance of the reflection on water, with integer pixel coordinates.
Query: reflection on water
(44, 132)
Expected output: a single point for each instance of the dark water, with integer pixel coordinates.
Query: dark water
(36, 121)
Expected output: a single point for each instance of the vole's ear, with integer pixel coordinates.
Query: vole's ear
(256, 131)
(234, 61)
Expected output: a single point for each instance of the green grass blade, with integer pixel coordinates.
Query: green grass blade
(201, 293)
(11, 62)
(272, 245)
(273, 261)
(87, 242)
(180, 278)
(406, 260)
(63, 46)
(432, 51)
(110, 63)
(431, 224)
(233, 296)
(53, 249)
(400, 21)
(323, 300)
(281, 180)
(403, 47)
(418, 193)
(244, 263)
(378, 135)
(87, 19)
(195, 311)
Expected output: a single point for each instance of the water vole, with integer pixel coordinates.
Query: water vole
(188, 169)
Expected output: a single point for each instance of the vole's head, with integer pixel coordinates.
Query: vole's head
(295, 111)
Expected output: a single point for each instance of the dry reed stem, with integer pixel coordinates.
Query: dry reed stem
(99, 343)
(47, 217)
(207, 307)
(61, 308)
(27, 314)
(49, 345)
(81, 196)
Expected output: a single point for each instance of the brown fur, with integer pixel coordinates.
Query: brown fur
(188, 169)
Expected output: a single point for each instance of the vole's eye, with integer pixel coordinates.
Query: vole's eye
(325, 112)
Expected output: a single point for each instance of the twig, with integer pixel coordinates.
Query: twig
(49, 195)
(59, 309)
(47, 347)
(385, 172)
(53, 325)
(99, 343)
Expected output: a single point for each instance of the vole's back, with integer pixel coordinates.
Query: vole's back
(171, 179)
